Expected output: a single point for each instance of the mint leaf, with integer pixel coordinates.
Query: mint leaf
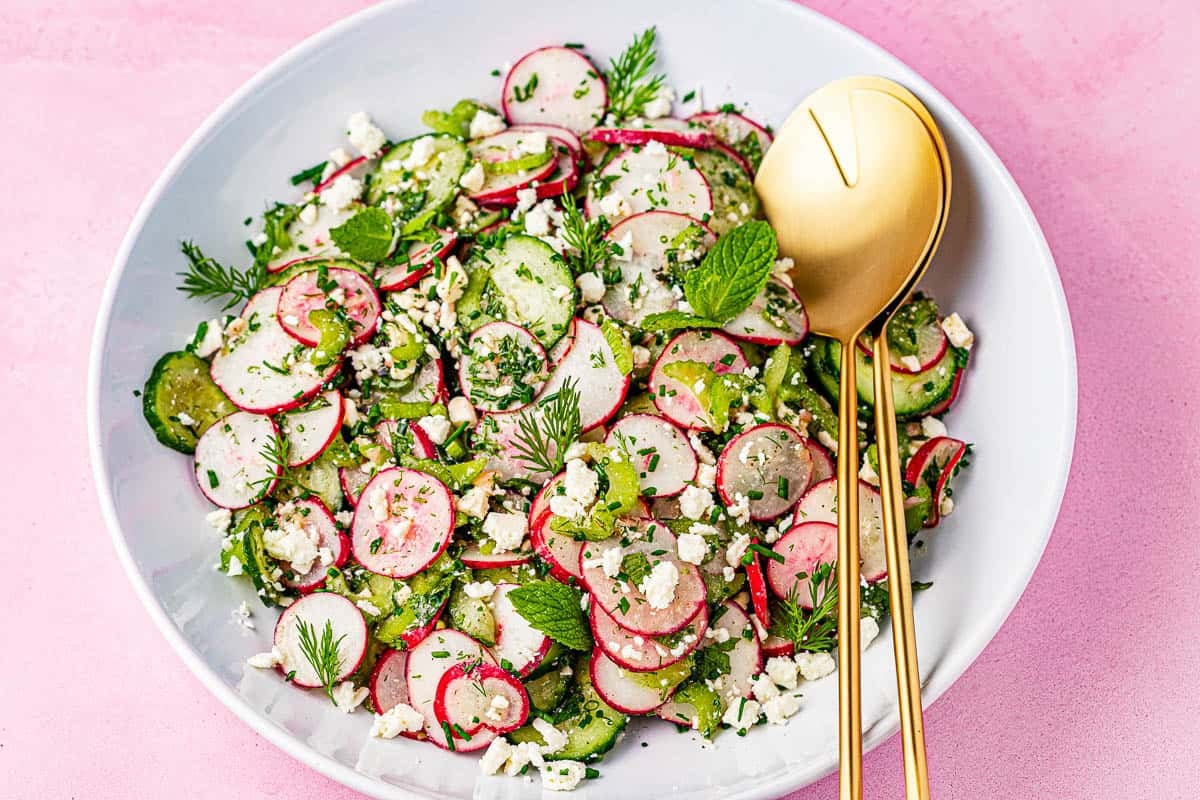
(733, 272)
(618, 342)
(554, 609)
(367, 236)
(674, 320)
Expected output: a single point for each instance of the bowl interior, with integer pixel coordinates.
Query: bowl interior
(395, 60)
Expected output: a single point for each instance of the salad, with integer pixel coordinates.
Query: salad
(520, 424)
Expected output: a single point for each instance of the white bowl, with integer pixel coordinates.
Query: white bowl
(394, 60)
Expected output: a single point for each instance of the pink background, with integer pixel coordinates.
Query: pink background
(1088, 691)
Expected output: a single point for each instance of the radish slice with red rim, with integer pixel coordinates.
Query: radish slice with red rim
(346, 289)
(231, 470)
(776, 316)
(652, 178)
(626, 603)
(312, 614)
(774, 646)
(678, 402)
(745, 659)
(475, 558)
(402, 523)
(414, 636)
(311, 240)
(622, 690)
(822, 462)
(262, 369)
(353, 479)
(420, 258)
(659, 450)
(638, 653)
(554, 86)
(934, 465)
(590, 365)
(742, 135)
(803, 548)
(567, 137)
(467, 701)
(429, 385)
(669, 131)
(389, 684)
(767, 464)
(819, 504)
(497, 185)
(757, 585)
(310, 430)
(355, 168)
(333, 546)
(517, 642)
(563, 346)
(502, 367)
(955, 387)
(428, 661)
(496, 436)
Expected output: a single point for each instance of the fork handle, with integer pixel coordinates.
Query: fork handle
(849, 654)
(895, 537)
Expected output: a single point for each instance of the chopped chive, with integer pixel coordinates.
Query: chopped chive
(591, 773)
(375, 543)
(440, 654)
(449, 736)
(783, 487)
(766, 551)
(754, 494)
(466, 737)
(213, 481)
(653, 465)
(728, 359)
(623, 604)
(310, 174)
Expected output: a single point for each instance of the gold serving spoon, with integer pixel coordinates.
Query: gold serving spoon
(857, 187)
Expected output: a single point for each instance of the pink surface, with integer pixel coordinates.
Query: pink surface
(1088, 691)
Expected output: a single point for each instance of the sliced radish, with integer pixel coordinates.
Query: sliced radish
(775, 317)
(310, 431)
(355, 168)
(822, 462)
(590, 366)
(658, 242)
(564, 178)
(555, 86)
(745, 659)
(757, 585)
(333, 546)
(429, 385)
(517, 642)
(353, 293)
(241, 369)
(803, 548)
(414, 636)
(941, 455)
(653, 178)
(955, 387)
(231, 470)
(669, 131)
(502, 367)
(559, 550)
(310, 616)
(428, 661)
(638, 653)
(621, 690)
(419, 259)
(660, 451)
(932, 344)
(774, 646)
(466, 702)
(563, 346)
(402, 523)
(501, 187)
(745, 137)
(679, 402)
(423, 446)
(819, 504)
(475, 558)
(389, 684)
(569, 138)
(768, 464)
(626, 603)
(353, 480)
(312, 239)
(496, 436)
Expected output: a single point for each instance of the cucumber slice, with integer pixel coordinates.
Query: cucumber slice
(472, 616)
(694, 704)
(319, 477)
(914, 394)
(547, 691)
(180, 390)
(431, 194)
(730, 187)
(592, 726)
(521, 280)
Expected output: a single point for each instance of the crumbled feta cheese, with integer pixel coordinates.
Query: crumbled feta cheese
(737, 548)
(641, 357)
(579, 491)
(472, 180)
(219, 519)
(562, 776)
(422, 150)
(660, 106)
(364, 135)
(591, 287)
(268, 660)
(485, 123)
(741, 714)
(338, 155)
(526, 199)
(495, 756)
(763, 687)
(234, 568)
(344, 518)
(946, 505)
(367, 607)
(308, 214)
(692, 548)
(867, 473)
(814, 666)
(868, 629)
(401, 594)
(702, 452)
(555, 739)
(958, 332)
(614, 205)
(208, 344)
(507, 530)
(532, 143)
(933, 427)
(728, 573)
(655, 148)
(496, 708)
(292, 540)
(911, 363)
(474, 503)
(400, 718)
(783, 671)
(537, 222)
(479, 590)
(609, 561)
(659, 585)
(625, 248)
(460, 411)
(695, 502)
(779, 708)
(342, 193)
(831, 444)
(436, 428)
(706, 476)
(347, 696)
(521, 755)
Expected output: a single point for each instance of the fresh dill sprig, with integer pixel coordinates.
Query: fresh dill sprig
(815, 630)
(208, 279)
(546, 430)
(587, 248)
(321, 653)
(630, 85)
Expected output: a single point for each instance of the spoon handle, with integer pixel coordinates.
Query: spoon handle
(895, 537)
(849, 685)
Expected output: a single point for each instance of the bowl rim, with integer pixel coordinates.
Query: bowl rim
(980, 635)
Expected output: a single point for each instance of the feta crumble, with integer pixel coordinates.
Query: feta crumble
(783, 671)
(737, 548)
(485, 123)
(400, 718)
(364, 135)
(506, 529)
(957, 331)
(268, 660)
(695, 502)
(579, 491)
(780, 707)
(659, 585)
(479, 590)
(219, 519)
(868, 629)
(435, 427)
(562, 776)
(933, 427)
(591, 287)
(691, 547)
(741, 714)
(347, 696)
(814, 666)
(342, 193)
(472, 180)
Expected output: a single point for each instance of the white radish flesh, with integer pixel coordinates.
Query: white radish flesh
(311, 616)
(654, 179)
(428, 661)
(466, 702)
(745, 659)
(502, 367)
(623, 692)
(402, 523)
(655, 241)
(517, 642)
(822, 461)
(776, 316)
(311, 430)
(677, 401)
(309, 291)
(638, 653)
(555, 86)
(769, 465)
(231, 470)
(659, 450)
(803, 548)
(420, 260)
(819, 504)
(591, 368)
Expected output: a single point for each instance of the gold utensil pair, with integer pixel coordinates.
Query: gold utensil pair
(857, 187)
